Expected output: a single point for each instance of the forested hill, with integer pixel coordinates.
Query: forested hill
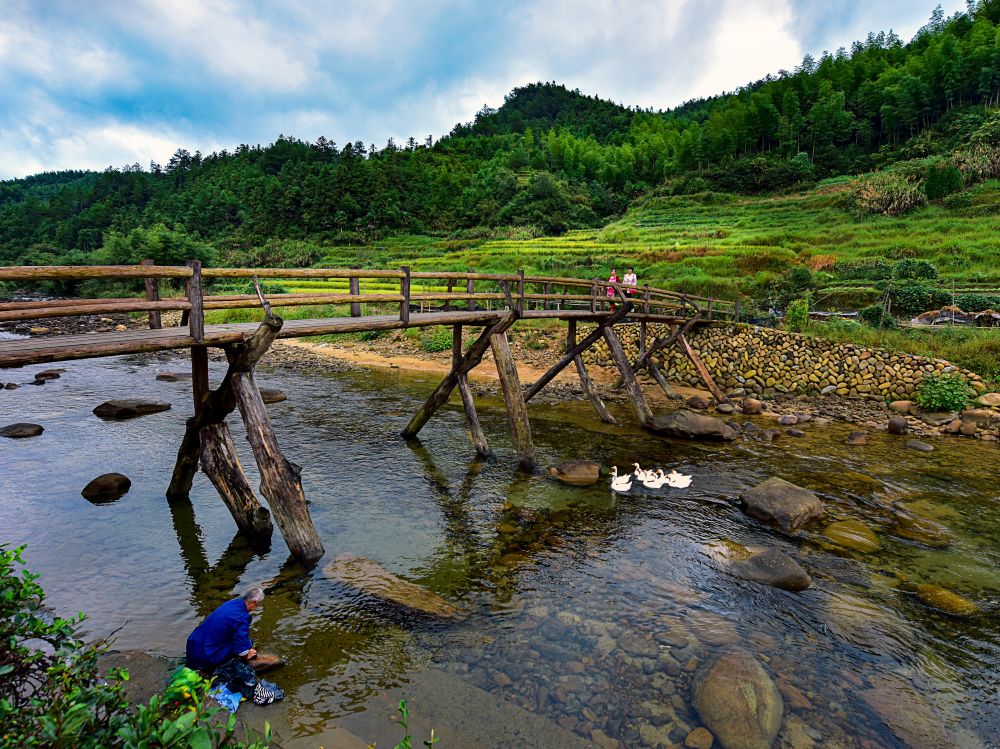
(549, 159)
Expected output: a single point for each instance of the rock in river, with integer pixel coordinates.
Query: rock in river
(944, 600)
(922, 530)
(919, 446)
(107, 488)
(20, 430)
(371, 579)
(857, 438)
(898, 425)
(782, 504)
(853, 534)
(576, 472)
(129, 408)
(689, 425)
(272, 395)
(173, 376)
(738, 702)
(773, 567)
(907, 713)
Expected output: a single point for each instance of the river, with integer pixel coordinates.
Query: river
(590, 615)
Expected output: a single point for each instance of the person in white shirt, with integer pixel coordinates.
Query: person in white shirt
(630, 281)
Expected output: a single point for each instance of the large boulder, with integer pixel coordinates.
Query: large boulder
(129, 408)
(692, 426)
(738, 702)
(21, 430)
(773, 567)
(576, 472)
(107, 488)
(782, 504)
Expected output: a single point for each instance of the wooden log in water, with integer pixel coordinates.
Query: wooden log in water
(517, 409)
(279, 479)
(372, 580)
(475, 429)
(222, 465)
(628, 376)
(470, 360)
(585, 382)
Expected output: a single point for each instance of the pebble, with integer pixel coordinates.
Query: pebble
(699, 738)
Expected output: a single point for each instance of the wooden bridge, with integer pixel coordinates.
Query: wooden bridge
(492, 303)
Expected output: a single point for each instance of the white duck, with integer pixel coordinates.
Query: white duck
(641, 474)
(620, 483)
(678, 480)
(654, 480)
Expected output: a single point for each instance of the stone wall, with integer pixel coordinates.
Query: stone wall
(767, 361)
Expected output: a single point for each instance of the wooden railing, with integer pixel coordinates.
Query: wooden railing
(515, 291)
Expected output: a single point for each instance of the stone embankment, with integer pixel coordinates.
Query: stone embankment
(747, 360)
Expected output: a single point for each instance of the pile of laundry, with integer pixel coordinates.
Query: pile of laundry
(641, 480)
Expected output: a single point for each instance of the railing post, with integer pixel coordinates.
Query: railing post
(355, 286)
(710, 308)
(196, 318)
(593, 295)
(519, 305)
(152, 295)
(736, 311)
(470, 289)
(547, 290)
(404, 289)
(447, 302)
(645, 300)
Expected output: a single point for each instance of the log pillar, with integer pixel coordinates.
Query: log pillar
(475, 429)
(152, 295)
(517, 410)
(222, 465)
(628, 376)
(585, 382)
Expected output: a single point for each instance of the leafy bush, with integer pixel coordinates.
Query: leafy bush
(920, 269)
(945, 391)
(980, 163)
(866, 269)
(159, 243)
(875, 316)
(943, 179)
(977, 302)
(53, 695)
(797, 315)
(913, 298)
(958, 201)
(799, 278)
(884, 194)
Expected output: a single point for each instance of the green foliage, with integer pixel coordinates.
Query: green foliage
(943, 179)
(437, 338)
(797, 315)
(163, 245)
(53, 695)
(407, 741)
(910, 298)
(799, 278)
(977, 302)
(874, 315)
(945, 391)
(915, 269)
(884, 194)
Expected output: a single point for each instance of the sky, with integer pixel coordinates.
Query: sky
(90, 85)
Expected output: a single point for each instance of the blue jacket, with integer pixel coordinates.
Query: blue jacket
(224, 634)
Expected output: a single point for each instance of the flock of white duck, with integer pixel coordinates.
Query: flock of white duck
(650, 479)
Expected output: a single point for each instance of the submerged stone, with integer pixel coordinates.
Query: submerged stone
(907, 713)
(690, 425)
(919, 446)
(738, 702)
(129, 408)
(857, 438)
(782, 504)
(922, 530)
(21, 430)
(371, 579)
(944, 600)
(853, 534)
(272, 395)
(773, 567)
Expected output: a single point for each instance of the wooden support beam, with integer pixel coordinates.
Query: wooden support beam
(280, 482)
(576, 350)
(152, 295)
(475, 429)
(470, 289)
(469, 361)
(585, 382)
(222, 465)
(447, 302)
(700, 368)
(661, 380)
(196, 317)
(517, 410)
(659, 343)
(628, 376)
(354, 284)
(404, 290)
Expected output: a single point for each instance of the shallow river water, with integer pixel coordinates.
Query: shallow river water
(590, 615)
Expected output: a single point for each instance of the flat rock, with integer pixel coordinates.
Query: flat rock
(752, 406)
(699, 402)
(990, 400)
(107, 488)
(984, 418)
(21, 430)
(738, 702)
(173, 376)
(898, 425)
(857, 438)
(371, 579)
(921, 446)
(11, 386)
(49, 374)
(906, 713)
(788, 420)
(725, 408)
(691, 425)
(945, 600)
(922, 530)
(576, 472)
(937, 418)
(782, 504)
(773, 567)
(129, 408)
(272, 395)
(853, 534)
(902, 407)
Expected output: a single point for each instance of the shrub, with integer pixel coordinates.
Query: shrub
(867, 269)
(943, 179)
(797, 315)
(884, 194)
(945, 391)
(958, 201)
(876, 317)
(979, 163)
(913, 298)
(436, 339)
(977, 302)
(909, 268)
(799, 278)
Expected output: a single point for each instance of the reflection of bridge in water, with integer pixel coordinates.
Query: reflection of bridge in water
(490, 303)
